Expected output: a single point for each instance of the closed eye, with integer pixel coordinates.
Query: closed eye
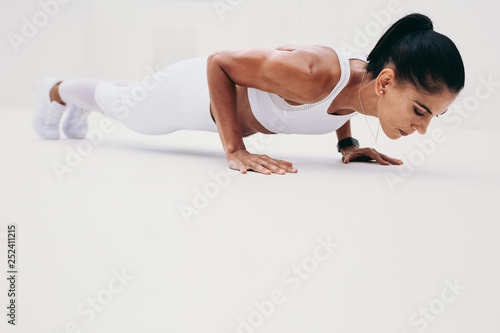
(418, 113)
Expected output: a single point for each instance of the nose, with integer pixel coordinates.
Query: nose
(421, 127)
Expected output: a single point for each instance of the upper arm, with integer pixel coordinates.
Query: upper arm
(298, 75)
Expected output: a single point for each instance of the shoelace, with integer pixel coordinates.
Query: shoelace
(53, 115)
(78, 116)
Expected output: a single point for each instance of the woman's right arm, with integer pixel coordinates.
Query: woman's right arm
(291, 76)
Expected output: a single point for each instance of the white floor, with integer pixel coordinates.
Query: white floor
(227, 263)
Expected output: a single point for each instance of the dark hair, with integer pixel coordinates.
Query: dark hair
(421, 56)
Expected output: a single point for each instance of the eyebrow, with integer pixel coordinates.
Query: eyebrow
(427, 109)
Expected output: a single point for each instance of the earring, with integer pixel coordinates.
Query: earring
(381, 91)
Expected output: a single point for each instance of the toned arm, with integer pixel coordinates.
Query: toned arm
(301, 75)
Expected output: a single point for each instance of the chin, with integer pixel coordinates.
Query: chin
(393, 135)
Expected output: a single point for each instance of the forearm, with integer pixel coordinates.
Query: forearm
(223, 105)
(344, 131)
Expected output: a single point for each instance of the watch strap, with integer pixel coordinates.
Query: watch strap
(347, 142)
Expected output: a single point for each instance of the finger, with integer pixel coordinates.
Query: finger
(264, 170)
(240, 167)
(273, 165)
(362, 158)
(237, 165)
(281, 168)
(373, 154)
(277, 166)
(287, 166)
(282, 163)
(269, 165)
(258, 167)
(392, 160)
(356, 158)
(285, 162)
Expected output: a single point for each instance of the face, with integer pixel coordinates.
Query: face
(402, 109)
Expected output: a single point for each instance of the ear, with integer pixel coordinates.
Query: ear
(386, 78)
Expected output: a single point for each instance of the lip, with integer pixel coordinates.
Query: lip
(403, 133)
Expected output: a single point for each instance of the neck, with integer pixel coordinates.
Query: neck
(352, 92)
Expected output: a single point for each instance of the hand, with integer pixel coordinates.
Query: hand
(355, 154)
(242, 160)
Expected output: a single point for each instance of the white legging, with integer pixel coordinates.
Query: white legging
(173, 99)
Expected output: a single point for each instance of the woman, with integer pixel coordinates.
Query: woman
(412, 74)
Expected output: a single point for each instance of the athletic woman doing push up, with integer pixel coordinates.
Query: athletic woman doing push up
(412, 75)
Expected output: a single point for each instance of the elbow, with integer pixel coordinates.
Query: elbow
(213, 55)
(214, 59)
(217, 62)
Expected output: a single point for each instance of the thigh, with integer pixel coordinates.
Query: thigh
(174, 98)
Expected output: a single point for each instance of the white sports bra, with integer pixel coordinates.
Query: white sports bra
(275, 114)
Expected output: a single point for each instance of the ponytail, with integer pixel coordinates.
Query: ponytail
(420, 55)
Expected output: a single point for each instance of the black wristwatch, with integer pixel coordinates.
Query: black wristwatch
(347, 142)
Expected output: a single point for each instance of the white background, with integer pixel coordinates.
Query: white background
(121, 39)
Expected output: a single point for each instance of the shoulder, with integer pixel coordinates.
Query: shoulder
(324, 67)
(322, 57)
(303, 73)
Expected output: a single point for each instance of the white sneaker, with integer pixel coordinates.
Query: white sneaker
(75, 124)
(47, 114)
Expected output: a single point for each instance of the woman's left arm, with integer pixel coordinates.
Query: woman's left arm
(355, 154)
